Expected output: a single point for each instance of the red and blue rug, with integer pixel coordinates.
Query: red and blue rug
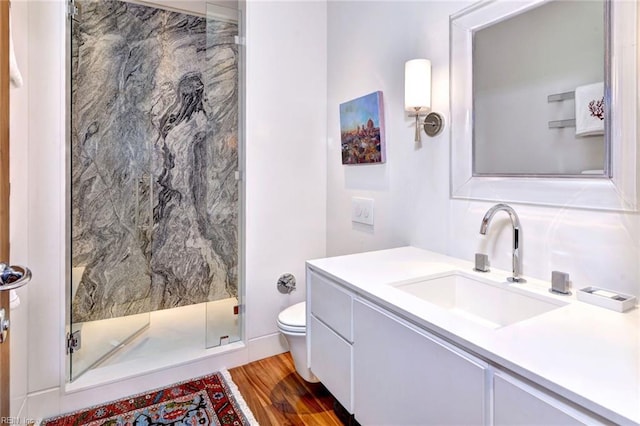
(208, 400)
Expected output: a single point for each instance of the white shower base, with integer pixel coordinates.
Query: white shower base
(174, 336)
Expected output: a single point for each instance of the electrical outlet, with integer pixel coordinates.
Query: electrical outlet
(362, 210)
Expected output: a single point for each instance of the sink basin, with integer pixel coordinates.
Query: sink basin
(487, 303)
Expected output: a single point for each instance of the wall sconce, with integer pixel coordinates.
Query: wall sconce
(417, 96)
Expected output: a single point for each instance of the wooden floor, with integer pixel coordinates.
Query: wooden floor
(278, 396)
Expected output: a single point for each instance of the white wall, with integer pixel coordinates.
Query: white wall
(286, 166)
(285, 189)
(368, 44)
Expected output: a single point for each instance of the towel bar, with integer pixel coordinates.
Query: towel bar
(558, 124)
(559, 97)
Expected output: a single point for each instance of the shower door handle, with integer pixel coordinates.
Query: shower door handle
(12, 277)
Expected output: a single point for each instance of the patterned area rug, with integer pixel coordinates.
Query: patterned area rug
(208, 400)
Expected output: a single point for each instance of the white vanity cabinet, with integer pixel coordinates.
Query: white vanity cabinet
(387, 370)
(518, 403)
(329, 336)
(405, 376)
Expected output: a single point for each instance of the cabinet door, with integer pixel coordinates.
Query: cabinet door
(405, 376)
(331, 361)
(516, 403)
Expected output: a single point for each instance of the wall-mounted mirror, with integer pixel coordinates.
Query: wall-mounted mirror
(531, 85)
(527, 70)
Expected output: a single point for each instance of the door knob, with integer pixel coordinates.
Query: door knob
(4, 326)
(12, 277)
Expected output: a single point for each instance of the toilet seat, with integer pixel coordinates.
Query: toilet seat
(293, 319)
(291, 330)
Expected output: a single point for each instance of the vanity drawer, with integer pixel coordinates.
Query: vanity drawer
(516, 402)
(331, 305)
(330, 357)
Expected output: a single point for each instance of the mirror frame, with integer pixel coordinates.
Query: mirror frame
(619, 192)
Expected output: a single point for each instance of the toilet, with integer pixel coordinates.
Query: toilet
(292, 323)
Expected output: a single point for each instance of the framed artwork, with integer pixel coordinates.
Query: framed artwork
(362, 130)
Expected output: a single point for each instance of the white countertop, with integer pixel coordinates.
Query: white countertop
(588, 354)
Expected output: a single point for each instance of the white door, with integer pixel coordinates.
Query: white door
(4, 193)
(10, 277)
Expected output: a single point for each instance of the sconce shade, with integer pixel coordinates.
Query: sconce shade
(417, 85)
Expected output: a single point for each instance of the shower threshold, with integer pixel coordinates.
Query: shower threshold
(174, 337)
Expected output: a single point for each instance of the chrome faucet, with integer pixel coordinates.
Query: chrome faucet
(517, 238)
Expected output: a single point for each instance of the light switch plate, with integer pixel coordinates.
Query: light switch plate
(362, 210)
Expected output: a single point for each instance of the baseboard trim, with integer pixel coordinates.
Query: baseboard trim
(18, 408)
(266, 346)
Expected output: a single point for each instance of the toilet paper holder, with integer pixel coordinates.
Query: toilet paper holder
(286, 283)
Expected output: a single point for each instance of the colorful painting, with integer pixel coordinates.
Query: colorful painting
(362, 130)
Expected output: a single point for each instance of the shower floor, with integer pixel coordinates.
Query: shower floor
(178, 333)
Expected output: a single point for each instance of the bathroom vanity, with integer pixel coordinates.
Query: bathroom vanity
(408, 336)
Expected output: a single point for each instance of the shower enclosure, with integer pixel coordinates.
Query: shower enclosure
(154, 194)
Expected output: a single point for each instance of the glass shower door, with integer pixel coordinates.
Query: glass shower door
(155, 195)
(111, 194)
(223, 90)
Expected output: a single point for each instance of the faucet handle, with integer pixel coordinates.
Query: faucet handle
(560, 283)
(482, 263)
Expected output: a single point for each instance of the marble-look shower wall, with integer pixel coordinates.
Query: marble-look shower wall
(154, 150)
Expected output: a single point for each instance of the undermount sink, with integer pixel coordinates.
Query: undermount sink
(487, 303)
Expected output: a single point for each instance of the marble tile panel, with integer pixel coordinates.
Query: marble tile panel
(154, 150)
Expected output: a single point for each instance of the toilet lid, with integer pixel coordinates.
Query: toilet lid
(294, 316)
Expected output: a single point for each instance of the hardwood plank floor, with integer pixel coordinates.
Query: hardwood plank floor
(278, 396)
